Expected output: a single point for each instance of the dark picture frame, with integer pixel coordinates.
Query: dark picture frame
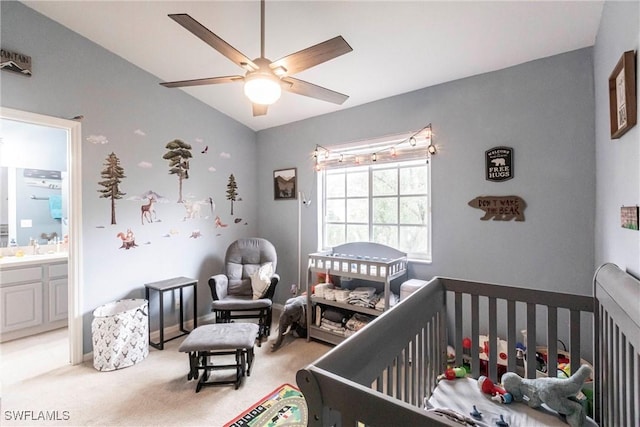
(285, 186)
(622, 95)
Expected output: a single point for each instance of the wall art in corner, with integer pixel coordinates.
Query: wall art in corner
(622, 95)
(284, 184)
(629, 217)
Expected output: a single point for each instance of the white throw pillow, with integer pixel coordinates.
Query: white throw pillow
(261, 279)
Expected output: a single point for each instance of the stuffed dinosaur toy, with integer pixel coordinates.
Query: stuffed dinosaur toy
(558, 394)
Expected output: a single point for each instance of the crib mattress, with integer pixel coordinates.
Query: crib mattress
(462, 394)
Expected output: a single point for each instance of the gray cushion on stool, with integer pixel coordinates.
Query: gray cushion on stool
(221, 336)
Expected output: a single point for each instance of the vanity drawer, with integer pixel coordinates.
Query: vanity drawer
(18, 275)
(58, 270)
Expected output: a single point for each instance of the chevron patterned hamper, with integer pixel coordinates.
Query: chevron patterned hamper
(120, 332)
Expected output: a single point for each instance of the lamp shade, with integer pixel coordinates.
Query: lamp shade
(262, 88)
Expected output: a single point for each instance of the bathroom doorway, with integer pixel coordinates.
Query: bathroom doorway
(71, 220)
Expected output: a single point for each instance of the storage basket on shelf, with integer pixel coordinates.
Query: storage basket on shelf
(120, 332)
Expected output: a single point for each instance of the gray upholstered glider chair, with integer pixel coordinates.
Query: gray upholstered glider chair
(232, 291)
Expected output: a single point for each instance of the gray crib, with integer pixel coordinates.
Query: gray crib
(382, 375)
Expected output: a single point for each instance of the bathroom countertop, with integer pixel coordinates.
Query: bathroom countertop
(29, 259)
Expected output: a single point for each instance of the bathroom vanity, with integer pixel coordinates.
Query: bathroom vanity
(33, 294)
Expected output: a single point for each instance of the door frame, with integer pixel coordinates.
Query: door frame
(74, 169)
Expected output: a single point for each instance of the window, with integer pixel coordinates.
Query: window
(387, 203)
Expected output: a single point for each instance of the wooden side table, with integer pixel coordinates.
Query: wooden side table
(163, 286)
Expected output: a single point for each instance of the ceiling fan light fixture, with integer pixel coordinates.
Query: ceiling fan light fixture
(262, 88)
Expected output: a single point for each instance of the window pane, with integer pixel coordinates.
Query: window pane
(358, 184)
(414, 239)
(385, 210)
(385, 182)
(335, 185)
(413, 180)
(386, 235)
(357, 233)
(383, 203)
(335, 210)
(358, 210)
(413, 210)
(335, 234)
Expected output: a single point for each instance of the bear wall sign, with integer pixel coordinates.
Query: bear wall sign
(499, 164)
(500, 208)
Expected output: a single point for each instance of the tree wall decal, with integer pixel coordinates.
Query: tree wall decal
(112, 175)
(178, 156)
(232, 191)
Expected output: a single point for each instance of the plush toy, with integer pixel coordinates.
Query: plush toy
(497, 393)
(452, 374)
(293, 315)
(557, 393)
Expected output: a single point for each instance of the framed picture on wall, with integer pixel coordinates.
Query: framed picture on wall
(284, 184)
(622, 95)
(629, 217)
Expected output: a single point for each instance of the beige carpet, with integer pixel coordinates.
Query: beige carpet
(155, 392)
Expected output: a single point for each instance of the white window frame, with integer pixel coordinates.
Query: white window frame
(322, 198)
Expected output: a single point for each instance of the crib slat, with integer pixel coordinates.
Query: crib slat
(552, 341)
(531, 340)
(475, 336)
(634, 392)
(403, 383)
(417, 368)
(442, 340)
(419, 375)
(575, 340)
(458, 327)
(617, 405)
(511, 335)
(493, 341)
(610, 391)
(625, 380)
(429, 341)
(606, 361)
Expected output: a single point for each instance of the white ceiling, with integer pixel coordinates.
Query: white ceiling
(397, 46)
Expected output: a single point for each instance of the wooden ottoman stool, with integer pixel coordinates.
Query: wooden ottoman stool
(221, 339)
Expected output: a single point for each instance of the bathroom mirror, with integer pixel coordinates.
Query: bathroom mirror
(33, 184)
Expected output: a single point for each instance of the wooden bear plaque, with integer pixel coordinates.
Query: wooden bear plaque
(500, 208)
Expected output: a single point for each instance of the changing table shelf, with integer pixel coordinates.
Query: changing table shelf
(360, 260)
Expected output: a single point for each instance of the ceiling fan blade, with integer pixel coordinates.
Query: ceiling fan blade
(311, 56)
(206, 81)
(301, 87)
(214, 41)
(259, 110)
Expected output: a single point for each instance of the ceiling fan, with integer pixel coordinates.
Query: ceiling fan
(265, 79)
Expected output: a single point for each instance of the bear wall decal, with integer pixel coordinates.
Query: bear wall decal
(500, 208)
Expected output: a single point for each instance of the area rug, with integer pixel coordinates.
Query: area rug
(284, 406)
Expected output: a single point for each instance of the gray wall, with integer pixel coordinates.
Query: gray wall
(543, 109)
(618, 160)
(73, 76)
